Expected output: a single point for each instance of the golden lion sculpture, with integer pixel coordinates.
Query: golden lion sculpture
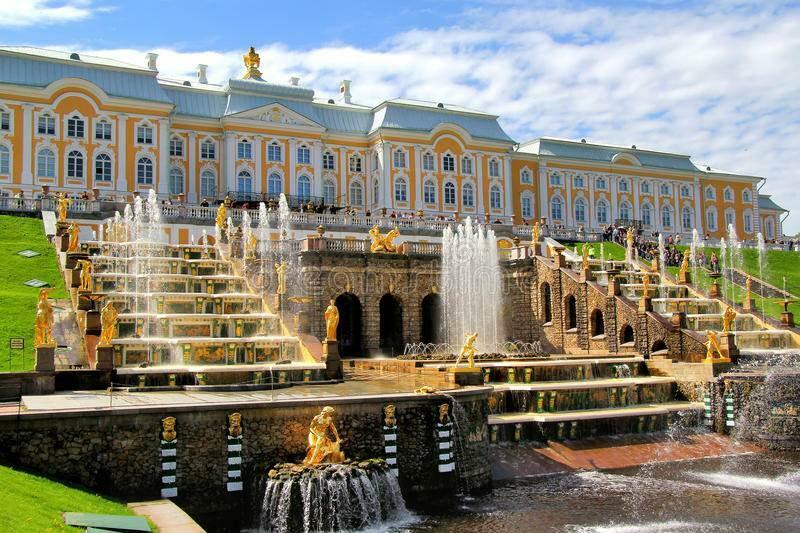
(383, 243)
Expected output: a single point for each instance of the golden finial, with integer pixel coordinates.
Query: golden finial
(252, 61)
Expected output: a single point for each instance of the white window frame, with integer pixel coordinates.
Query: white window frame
(328, 160)
(304, 181)
(275, 152)
(244, 149)
(5, 160)
(400, 190)
(54, 159)
(49, 124)
(77, 124)
(274, 181)
(356, 193)
(103, 130)
(355, 163)
(399, 159)
(176, 146)
(466, 165)
(448, 163)
(71, 168)
(525, 177)
(496, 197)
(468, 195)
(208, 176)
(329, 197)
(303, 155)
(449, 194)
(579, 211)
(142, 171)
(145, 134)
(174, 172)
(208, 150)
(556, 204)
(494, 168)
(429, 192)
(108, 164)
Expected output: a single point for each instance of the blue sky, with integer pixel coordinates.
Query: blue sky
(718, 80)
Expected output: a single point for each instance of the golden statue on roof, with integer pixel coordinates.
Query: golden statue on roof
(252, 61)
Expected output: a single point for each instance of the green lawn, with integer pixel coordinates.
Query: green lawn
(19, 301)
(611, 250)
(34, 503)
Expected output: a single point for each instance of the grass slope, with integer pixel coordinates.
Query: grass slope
(35, 503)
(611, 250)
(19, 301)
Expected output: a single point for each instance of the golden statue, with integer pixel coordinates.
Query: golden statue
(444, 413)
(331, 321)
(727, 319)
(585, 257)
(251, 245)
(630, 235)
(381, 243)
(321, 449)
(685, 262)
(654, 265)
(712, 345)
(86, 275)
(108, 324)
(168, 433)
(222, 216)
(62, 204)
(73, 238)
(389, 420)
(537, 231)
(235, 425)
(645, 285)
(43, 324)
(280, 270)
(252, 61)
(468, 350)
(748, 286)
(426, 389)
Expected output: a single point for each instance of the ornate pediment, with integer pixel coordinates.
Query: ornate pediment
(277, 114)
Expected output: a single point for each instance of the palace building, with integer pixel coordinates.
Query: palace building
(74, 123)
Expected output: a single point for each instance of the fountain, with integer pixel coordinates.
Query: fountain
(662, 264)
(762, 261)
(695, 246)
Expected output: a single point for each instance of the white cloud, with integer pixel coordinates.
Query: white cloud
(719, 81)
(22, 13)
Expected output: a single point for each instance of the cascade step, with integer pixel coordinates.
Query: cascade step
(594, 414)
(584, 384)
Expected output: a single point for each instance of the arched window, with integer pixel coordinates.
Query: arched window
(5, 160)
(525, 176)
(76, 127)
(555, 208)
(399, 158)
(746, 197)
(175, 181)
(274, 151)
(580, 210)
(711, 219)
(711, 193)
(555, 179)
(244, 182)
(244, 149)
(468, 195)
(494, 168)
(495, 197)
(647, 215)
(666, 216)
(728, 194)
(328, 161)
(730, 217)
(46, 163)
(102, 168)
(748, 221)
(46, 125)
(5, 120)
(356, 194)
(666, 190)
(625, 211)
(304, 187)
(144, 171)
(769, 227)
(602, 212)
(466, 165)
(355, 163)
(449, 193)
(274, 184)
(303, 155)
(208, 150)
(429, 192)
(448, 165)
(526, 204)
(547, 304)
(75, 165)
(329, 191)
(428, 161)
(208, 184)
(376, 190)
(144, 134)
(400, 190)
(686, 218)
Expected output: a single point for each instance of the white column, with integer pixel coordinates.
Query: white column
(163, 157)
(122, 159)
(257, 147)
(418, 177)
(543, 200)
(229, 162)
(479, 184)
(657, 205)
(569, 219)
(191, 154)
(316, 187)
(292, 155)
(368, 199)
(635, 191)
(343, 175)
(507, 182)
(386, 182)
(756, 215)
(612, 214)
(590, 187)
(27, 140)
(676, 220)
(699, 216)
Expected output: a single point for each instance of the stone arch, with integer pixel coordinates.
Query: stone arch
(596, 323)
(348, 332)
(431, 318)
(391, 325)
(547, 302)
(626, 334)
(658, 346)
(570, 312)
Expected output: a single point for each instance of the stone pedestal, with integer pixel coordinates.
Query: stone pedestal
(558, 257)
(614, 288)
(93, 326)
(685, 278)
(465, 375)
(63, 242)
(787, 319)
(74, 277)
(714, 291)
(749, 304)
(105, 358)
(536, 248)
(645, 304)
(586, 275)
(727, 344)
(73, 258)
(678, 320)
(61, 228)
(45, 358)
(333, 363)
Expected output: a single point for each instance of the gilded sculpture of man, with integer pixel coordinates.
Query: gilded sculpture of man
(235, 425)
(444, 413)
(331, 321)
(108, 324)
(74, 232)
(86, 274)
(585, 257)
(222, 216)
(168, 433)
(43, 325)
(252, 245)
(537, 231)
(280, 271)
(630, 235)
(685, 262)
(645, 285)
(389, 419)
(62, 204)
(321, 449)
(712, 345)
(468, 350)
(727, 319)
(654, 265)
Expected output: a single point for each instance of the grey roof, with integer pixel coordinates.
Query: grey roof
(207, 104)
(765, 202)
(20, 68)
(400, 115)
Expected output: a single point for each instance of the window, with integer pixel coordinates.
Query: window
(730, 217)
(46, 164)
(5, 121)
(428, 161)
(175, 181)
(494, 168)
(527, 206)
(495, 198)
(102, 168)
(75, 127)
(244, 150)
(75, 165)
(711, 219)
(645, 187)
(208, 150)
(686, 218)
(580, 210)
(144, 134)
(400, 190)
(244, 182)
(102, 130)
(600, 184)
(47, 125)
(5, 160)
(602, 212)
(376, 191)
(376, 163)
(176, 147)
(623, 186)
(525, 176)
(448, 165)
(429, 192)
(468, 195)
(208, 184)
(274, 152)
(555, 179)
(647, 215)
(666, 216)
(329, 192)
(577, 182)
(748, 222)
(711, 194)
(355, 163)
(449, 193)
(466, 165)
(304, 187)
(399, 159)
(686, 191)
(274, 184)
(666, 190)
(746, 198)
(555, 208)
(144, 171)
(728, 194)
(625, 211)
(356, 193)
(769, 226)
(303, 155)
(328, 161)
